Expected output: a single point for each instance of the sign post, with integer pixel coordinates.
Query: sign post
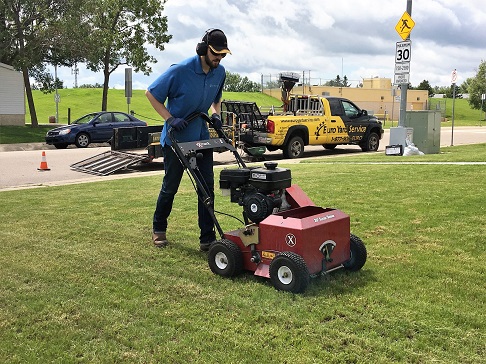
(403, 54)
(57, 97)
(483, 97)
(453, 82)
(128, 86)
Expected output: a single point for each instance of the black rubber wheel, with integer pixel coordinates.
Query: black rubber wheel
(82, 140)
(294, 148)
(358, 254)
(61, 145)
(371, 143)
(225, 258)
(330, 146)
(288, 272)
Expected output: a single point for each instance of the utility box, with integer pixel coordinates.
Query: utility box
(426, 129)
(401, 136)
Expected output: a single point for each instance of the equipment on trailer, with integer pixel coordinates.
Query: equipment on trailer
(286, 237)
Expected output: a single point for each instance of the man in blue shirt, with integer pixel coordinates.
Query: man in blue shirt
(194, 85)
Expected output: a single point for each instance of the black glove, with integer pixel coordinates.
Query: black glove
(216, 121)
(177, 123)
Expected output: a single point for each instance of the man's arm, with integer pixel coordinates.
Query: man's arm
(158, 106)
(216, 107)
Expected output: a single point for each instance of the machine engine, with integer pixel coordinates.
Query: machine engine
(260, 191)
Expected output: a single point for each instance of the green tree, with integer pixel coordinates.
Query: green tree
(441, 90)
(22, 35)
(271, 84)
(35, 32)
(465, 86)
(44, 81)
(235, 83)
(456, 92)
(425, 85)
(477, 87)
(121, 29)
(337, 82)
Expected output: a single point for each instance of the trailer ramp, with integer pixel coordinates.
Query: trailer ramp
(108, 162)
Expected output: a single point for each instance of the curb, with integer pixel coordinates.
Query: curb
(23, 147)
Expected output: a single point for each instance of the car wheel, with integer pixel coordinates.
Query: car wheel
(330, 146)
(371, 143)
(225, 258)
(82, 140)
(288, 272)
(294, 148)
(358, 254)
(61, 145)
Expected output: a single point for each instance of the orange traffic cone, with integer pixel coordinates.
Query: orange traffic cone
(43, 165)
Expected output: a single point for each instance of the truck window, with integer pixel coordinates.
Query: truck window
(336, 107)
(350, 110)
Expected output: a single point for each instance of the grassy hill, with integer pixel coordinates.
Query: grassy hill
(84, 100)
(81, 101)
(463, 114)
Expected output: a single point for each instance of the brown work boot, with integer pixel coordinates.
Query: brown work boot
(160, 240)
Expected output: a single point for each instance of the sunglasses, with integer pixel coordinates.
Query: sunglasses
(222, 55)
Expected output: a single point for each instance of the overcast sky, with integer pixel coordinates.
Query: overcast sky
(355, 38)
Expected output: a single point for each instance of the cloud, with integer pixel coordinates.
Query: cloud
(323, 38)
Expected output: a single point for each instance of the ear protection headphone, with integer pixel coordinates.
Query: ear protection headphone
(202, 46)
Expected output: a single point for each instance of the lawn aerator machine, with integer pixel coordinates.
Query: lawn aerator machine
(285, 236)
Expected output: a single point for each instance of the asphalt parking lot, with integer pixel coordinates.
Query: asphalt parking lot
(19, 163)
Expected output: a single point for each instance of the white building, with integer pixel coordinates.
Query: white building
(12, 96)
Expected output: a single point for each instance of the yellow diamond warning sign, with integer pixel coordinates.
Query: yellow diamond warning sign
(404, 26)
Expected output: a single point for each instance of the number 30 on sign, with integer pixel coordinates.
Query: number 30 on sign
(404, 52)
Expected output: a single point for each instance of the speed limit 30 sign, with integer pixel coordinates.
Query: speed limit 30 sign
(403, 55)
(404, 52)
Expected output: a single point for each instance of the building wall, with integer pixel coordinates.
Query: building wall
(375, 96)
(12, 96)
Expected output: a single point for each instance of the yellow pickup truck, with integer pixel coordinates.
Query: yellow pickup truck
(306, 120)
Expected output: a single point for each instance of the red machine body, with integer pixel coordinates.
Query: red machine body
(319, 235)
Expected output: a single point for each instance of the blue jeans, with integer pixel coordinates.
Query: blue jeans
(174, 171)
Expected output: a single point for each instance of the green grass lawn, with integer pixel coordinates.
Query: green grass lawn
(81, 281)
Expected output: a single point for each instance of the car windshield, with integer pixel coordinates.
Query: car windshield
(85, 119)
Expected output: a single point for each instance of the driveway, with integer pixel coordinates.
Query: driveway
(19, 163)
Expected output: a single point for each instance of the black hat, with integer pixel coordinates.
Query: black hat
(216, 40)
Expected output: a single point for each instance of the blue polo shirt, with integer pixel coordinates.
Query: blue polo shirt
(185, 89)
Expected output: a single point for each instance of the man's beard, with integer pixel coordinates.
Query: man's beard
(210, 63)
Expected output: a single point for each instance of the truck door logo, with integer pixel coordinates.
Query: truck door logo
(321, 126)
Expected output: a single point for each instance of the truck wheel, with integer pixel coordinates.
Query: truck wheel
(82, 140)
(288, 272)
(371, 143)
(225, 259)
(358, 254)
(294, 148)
